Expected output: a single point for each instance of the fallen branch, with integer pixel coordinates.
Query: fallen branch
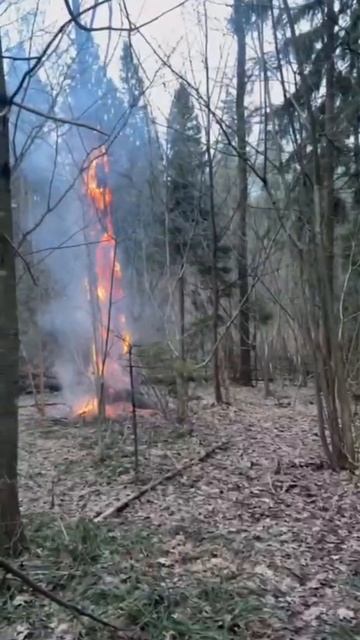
(121, 506)
(9, 568)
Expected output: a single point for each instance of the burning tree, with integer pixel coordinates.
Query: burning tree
(111, 339)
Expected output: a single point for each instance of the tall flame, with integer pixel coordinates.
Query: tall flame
(111, 338)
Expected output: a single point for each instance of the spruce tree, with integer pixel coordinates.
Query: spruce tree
(185, 170)
(139, 182)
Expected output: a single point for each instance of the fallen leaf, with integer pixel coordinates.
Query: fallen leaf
(312, 613)
(345, 614)
(23, 631)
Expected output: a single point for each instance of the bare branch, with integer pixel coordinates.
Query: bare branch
(19, 254)
(74, 608)
(58, 119)
(109, 27)
(34, 67)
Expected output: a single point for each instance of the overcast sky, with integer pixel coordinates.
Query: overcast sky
(180, 33)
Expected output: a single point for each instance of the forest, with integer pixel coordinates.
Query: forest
(179, 319)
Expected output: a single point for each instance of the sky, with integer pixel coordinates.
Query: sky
(178, 34)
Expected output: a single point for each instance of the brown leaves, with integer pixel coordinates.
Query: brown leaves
(263, 513)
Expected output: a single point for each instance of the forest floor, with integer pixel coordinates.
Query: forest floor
(261, 540)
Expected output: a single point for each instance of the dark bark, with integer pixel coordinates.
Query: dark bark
(244, 376)
(11, 532)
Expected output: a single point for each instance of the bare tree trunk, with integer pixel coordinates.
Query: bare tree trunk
(214, 233)
(244, 376)
(331, 381)
(329, 160)
(266, 372)
(223, 373)
(133, 413)
(181, 382)
(254, 347)
(182, 315)
(11, 532)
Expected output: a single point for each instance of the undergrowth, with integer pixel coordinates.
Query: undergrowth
(114, 573)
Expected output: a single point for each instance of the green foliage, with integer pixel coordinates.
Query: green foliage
(163, 368)
(186, 370)
(207, 612)
(132, 82)
(82, 541)
(249, 12)
(185, 159)
(137, 170)
(307, 41)
(307, 11)
(113, 573)
(91, 89)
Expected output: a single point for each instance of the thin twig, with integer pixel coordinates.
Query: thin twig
(131, 29)
(59, 119)
(20, 255)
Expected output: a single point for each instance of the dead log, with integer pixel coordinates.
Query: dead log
(50, 383)
(124, 504)
(124, 395)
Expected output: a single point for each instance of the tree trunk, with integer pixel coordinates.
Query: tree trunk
(334, 400)
(244, 376)
(214, 233)
(181, 381)
(329, 160)
(11, 532)
(182, 315)
(266, 371)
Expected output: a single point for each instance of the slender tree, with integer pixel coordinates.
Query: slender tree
(184, 176)
(11, 531)
(212, 217)
(138, 165)
(244, 374)
(319, 139)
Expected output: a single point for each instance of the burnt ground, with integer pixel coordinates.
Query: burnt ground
(260, 541)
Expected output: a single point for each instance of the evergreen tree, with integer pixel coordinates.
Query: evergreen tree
(185, 171)
(185, 168)
(139, 183)
(132, 82)
(93, 96)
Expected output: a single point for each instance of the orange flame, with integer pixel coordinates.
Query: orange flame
(96, 186)
(108, 290)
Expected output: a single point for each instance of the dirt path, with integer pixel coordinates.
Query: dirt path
(265, 513)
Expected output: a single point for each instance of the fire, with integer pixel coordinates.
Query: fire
(88, 407)
(96, 180)
(111, 338)
(127, 342)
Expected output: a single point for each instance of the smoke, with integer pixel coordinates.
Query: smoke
(47, 159)
(58, 218)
